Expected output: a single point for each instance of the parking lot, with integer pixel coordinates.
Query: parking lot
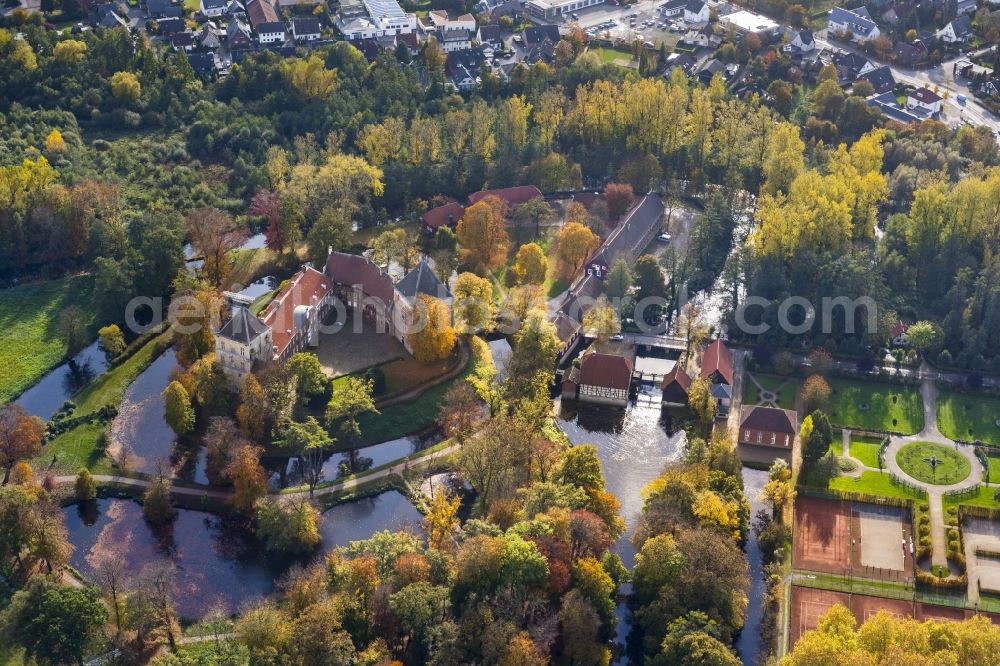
(614, 22)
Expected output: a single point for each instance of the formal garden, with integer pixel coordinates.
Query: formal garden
(771, 390)
(933, 463)
(969, 416)
(880, 406)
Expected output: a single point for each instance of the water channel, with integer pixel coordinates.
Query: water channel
(217, 565)
(60, 384)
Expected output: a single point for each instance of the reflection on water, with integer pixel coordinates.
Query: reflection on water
(748, 645)
(48, 395)
(633, 445)
(140, 426)
(218, 564)
(260, 287)
(353, 461)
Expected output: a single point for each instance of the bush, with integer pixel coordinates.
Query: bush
(952, 511)
(924, 519)
(954, 547)
(377, 378)
(86, 488)
(846, 465)
(953, 534)
(924, 506)
(925, 541)
(924, 530)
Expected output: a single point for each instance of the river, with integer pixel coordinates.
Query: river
(60, 384)
(748, 644)
(217, 564)
(140, 427)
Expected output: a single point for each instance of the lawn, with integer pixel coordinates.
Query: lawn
(866, 449)
(951, 468)
(406, 418)
(875, 483)
(968, 417)
(29, 318)
(994, 468)
(74, 449)
(876, 406)
(615, 56)
(784, 388)
(192, 5)
(983, 498)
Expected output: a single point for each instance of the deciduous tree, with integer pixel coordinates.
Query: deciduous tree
(483, 231)
(530, 265)
(619, 197)
(434, 337)
(248, 477)
(473, 305)
(20, 437)
(574, 244)
(179, 412)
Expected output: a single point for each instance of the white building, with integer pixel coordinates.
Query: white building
(696, 12)
(373, 18)
(455, 40)
(271, 33)
(744, 21)
(306, 29)
(243, 340)
(440, 20)
(553, 10)
(856, 22)
(924, 99)
(958, 31)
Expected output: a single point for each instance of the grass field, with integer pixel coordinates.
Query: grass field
(876, 406)
(968, 417)
(614, 56)
(994, 468)
(951, 468)
(784, 388)
(865, 449)
(29, 318)
(876, 483)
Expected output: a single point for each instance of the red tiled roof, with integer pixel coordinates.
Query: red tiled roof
(588, 199)
(678, 375)
(512, 195)
(260, 12)
(279, 315)
(768, 419)
(450, 212)
(351, 270)
(898, 329)
(719, 359)
(606, 370)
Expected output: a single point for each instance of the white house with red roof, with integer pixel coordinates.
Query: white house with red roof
(602, 377)
(897, 336)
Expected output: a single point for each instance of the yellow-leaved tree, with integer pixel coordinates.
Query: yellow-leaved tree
(433, 337)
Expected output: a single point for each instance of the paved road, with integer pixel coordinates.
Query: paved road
(940, 76)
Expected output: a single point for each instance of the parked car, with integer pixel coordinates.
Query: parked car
(664, 237)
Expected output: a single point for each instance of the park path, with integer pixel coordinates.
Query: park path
(935, 493)
(199, 490)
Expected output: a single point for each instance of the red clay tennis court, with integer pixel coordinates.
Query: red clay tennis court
(822, 535)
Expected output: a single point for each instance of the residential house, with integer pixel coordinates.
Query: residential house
(369, 48)
(855, 23)
(512, 195)
(601, 378)
(850, 66)
(182, 41)
(696, 12)
(368, 19)
(768, 426)
(673, 8)
(270, 33)
(204, 64)
(455, 39)
(157, 9)
(924, 100)
(959, 31)
(889, 106)
(210, 36)
(675, 386)
(710, 69)
(801, 43)
(438, 19)
(212, 8)
(635, 231)
(881, 79)
(544, 52)
(235, 8)
(991, 87)
(111, 19)
(238, 34)
(490, 34)
(568, 319)
(538, 34)
(910, 55)
(897, 336)
(261, 12)
(704, 37)
(169, 26)
(902, 13)
(450, 214)
(679, 59)
(306, 29)
(717, 367)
